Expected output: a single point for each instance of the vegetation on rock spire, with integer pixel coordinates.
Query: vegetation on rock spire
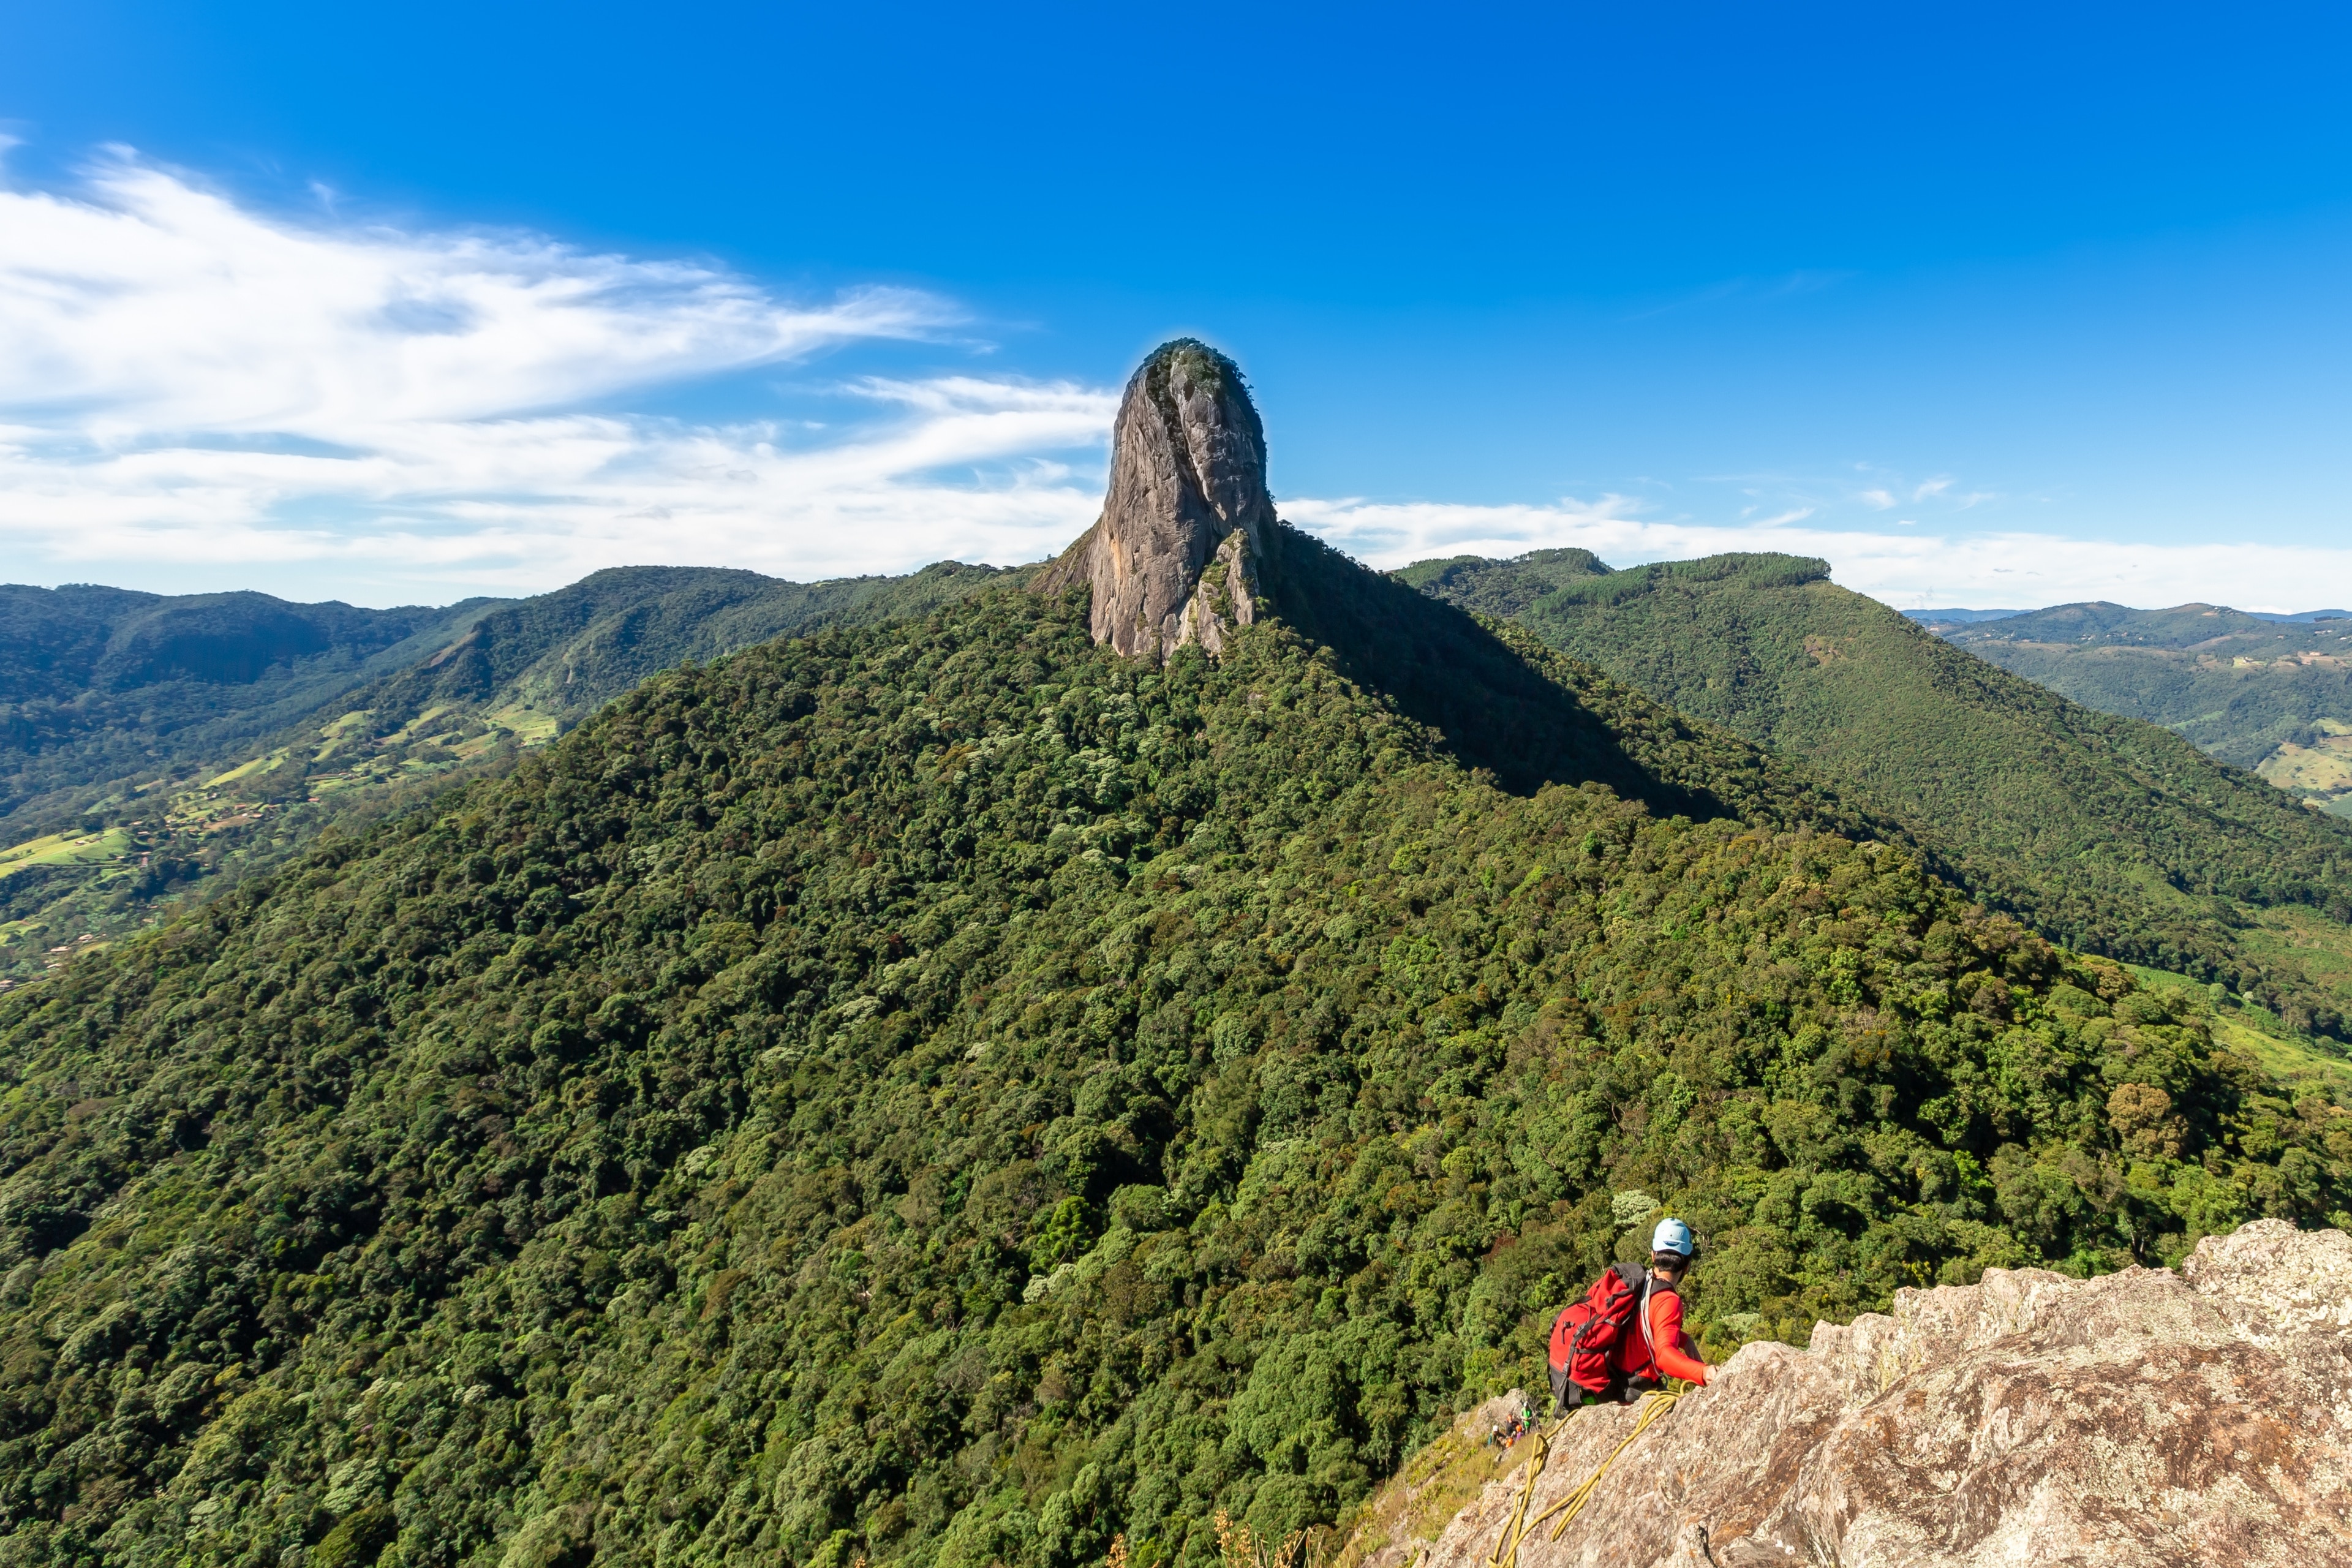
(1172, 560)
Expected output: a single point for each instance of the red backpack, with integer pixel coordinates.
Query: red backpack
(1587, 1334)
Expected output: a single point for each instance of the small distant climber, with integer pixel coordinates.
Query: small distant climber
(1625, 1337)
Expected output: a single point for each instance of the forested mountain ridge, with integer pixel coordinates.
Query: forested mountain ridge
(2110, 834)
(1500, 703)
(547, 662)
(946, 1093)
(100, 684)
(1502, 588)
(2266, 694)
(226, 748)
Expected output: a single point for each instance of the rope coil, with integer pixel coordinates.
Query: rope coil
(1506, 1545)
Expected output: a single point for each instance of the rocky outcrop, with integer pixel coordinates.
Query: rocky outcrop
(2145, 1417)
(1173, 559)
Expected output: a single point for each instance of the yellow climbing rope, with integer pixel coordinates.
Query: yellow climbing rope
(1512, 1531)
(1506, 1545)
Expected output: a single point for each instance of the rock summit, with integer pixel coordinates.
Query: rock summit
(1186, 517)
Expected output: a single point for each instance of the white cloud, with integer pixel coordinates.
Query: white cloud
(189, 389)
(525, 504)
(1910, 571)
(152, 305)
(193, 394)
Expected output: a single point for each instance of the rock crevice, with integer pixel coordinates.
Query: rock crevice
(1173, 558)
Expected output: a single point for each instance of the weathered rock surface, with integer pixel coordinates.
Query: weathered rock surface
(1172, 558)
(2145, 1417)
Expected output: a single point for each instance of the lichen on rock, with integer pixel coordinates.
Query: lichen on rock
(1173, 559)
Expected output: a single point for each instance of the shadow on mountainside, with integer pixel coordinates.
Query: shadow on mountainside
(2106, 833)
(1528, 716)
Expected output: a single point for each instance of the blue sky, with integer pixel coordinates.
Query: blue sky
(1988, 305)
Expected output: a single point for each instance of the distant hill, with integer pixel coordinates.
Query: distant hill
(114, 703)
(544, 664)
(2110, 834)
(155, 748)
(1502, 588)
(2273, 693)
(99, 686)
(1958, 617)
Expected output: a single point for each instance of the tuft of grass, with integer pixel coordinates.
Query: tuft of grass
(1239, 1546)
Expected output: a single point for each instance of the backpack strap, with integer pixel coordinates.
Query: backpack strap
(1637, 1286)
(1651, 1287)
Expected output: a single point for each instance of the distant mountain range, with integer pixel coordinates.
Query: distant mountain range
(1964, 617)
(101, 686)
(2273, 693)
(1957, 617)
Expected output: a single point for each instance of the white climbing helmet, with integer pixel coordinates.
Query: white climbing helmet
(1672, 1236)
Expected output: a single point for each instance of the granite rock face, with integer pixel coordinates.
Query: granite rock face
(2145, 1417)
(1172, 558)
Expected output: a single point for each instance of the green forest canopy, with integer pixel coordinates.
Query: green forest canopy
(2106, 833)
(940, 1093)
(220, 734)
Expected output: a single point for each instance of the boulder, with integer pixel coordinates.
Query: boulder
(2145, 1417)
(1173, 559)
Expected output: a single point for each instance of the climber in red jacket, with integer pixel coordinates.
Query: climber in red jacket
(1662, 1350)
(1625, 1337)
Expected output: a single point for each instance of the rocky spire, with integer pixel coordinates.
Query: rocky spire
(1172, 558)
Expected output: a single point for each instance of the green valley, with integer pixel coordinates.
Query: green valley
(221, 733)
(2272, 696)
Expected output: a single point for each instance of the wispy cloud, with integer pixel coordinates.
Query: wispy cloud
(1910, 570)
(1848, 498)
(187, 382)
(194, 394)
(1391, 535)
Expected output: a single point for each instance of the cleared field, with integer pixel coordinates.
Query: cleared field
(68, 849)
(262, 764)
(2323, 769)
(532, 725)
(2320, 947)
(2295, 1061)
